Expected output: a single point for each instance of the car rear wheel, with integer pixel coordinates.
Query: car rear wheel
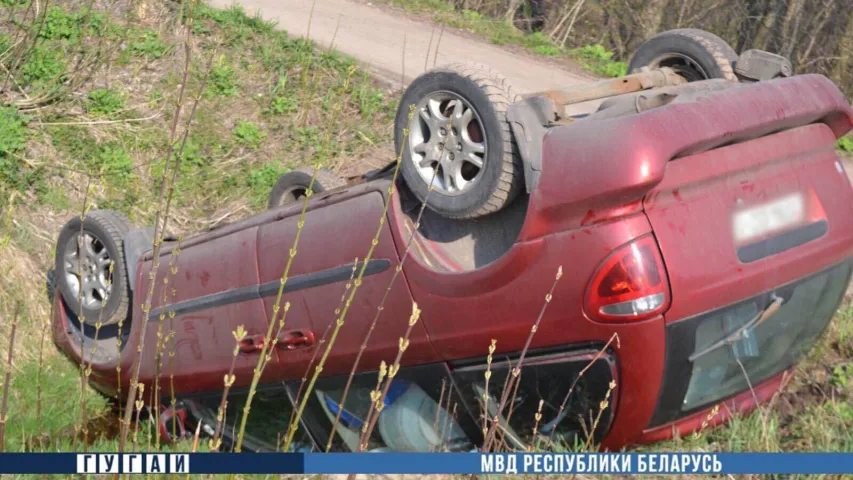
(90, 270)
(458, 139)
(695, 54)
(292, 186)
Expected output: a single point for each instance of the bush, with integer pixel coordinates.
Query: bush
(13, 139)
(600, 60)
(104, 101)
(114, 163)
(148, 46)
(221, 82)
(542, 44)
(13, 131)
(43, 65)
(249, 134)
(60, 24)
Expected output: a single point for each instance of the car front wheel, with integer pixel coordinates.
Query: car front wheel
(90, 270)
(452, 133)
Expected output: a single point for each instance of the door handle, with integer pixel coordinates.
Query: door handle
(296, 339)
(252, 344)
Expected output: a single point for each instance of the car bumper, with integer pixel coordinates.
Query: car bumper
(706, 381)
(740, 404)
(101, 355)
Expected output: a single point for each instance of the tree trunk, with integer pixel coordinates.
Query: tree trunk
(652, 17)
(841, 70)
(510, 12)
(756, 14)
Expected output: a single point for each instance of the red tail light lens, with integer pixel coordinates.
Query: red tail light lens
(630, 284)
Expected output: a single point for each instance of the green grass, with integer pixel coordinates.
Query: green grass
(105, 101)
(15, 174)
(60, 404)
(249, 105)
(148, 45)
(222, 81)
(249, 134)
(267, 107)
(43, 65)
(598, 59)
(845, 144)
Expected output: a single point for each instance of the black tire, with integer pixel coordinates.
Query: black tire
(292, 185)
(50, 284)
(109, 229)
(695, 54)
(500, 178)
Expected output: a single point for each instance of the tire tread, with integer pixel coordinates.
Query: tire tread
(501, 95)
(721, 52)
(116, 225)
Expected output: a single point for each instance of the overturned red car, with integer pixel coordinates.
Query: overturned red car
(700, 214)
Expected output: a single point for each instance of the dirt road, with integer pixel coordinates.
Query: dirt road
(375, 36)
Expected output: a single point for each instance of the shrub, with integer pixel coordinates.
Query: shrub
(60, 24)
(221, 82)
(114, 163)
(148, 46)
(13, 131)
(594, 52)
(600, 61)
(261, 180)
(104, 101)
(13, 139)
(43, 65)
(542, 44)
(249, 134)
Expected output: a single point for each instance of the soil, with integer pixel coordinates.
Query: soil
(102, 427)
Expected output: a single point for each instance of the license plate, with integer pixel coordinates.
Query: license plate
(772, 217)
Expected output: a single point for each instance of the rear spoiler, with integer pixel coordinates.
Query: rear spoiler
(595, 165)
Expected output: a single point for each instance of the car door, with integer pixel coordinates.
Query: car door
(204, 291)
(338, 229)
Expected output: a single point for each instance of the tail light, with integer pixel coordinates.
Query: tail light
(630, 284)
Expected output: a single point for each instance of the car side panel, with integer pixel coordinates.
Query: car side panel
(333, 237)
(464, 311)
(200, 334)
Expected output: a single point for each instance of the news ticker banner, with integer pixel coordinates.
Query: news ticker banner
(428, 463)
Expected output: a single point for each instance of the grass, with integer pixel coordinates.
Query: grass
(594, 58)
(269, 104)
(115, 129)
(845, 145)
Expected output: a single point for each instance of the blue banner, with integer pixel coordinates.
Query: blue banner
(429, 463)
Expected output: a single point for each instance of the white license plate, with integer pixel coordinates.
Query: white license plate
(769, 218)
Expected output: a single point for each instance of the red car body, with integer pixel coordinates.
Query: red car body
(671, 180)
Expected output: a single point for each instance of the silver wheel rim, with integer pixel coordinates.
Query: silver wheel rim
(681, 64)
(87, 270)
(446, 133)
